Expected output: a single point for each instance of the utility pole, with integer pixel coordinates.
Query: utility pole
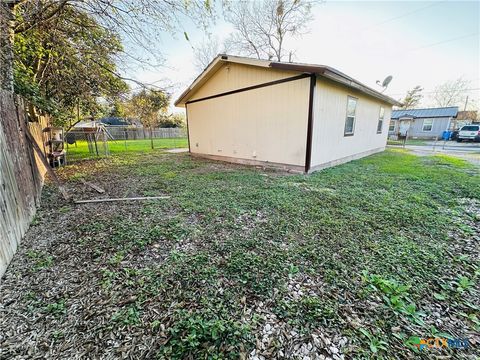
(466, 102)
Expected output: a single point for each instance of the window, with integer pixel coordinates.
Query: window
(391, 126)
(470, 128)
(427, 125)
(380, 120)
(350, 118)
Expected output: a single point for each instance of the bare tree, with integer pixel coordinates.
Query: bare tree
(412, 98)
(261, 27)
(451, 93)
(205, 51)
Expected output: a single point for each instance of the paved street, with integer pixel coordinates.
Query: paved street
(469, 151)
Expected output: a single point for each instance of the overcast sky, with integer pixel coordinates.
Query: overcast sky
(418, 43)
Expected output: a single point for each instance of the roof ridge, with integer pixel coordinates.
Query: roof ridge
(434, 108)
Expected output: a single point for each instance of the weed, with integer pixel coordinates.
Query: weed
(64, 209)
(463, 283)
(198, 335)
(116, 258)
(41, 259)
(434, 332)
(375, 344)
(56, 308)
(396, 296)
(128, 316)
(58, 334)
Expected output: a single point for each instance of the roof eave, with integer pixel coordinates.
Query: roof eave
(210, 67)
(318, 70)
(337, 76)
(332, 75)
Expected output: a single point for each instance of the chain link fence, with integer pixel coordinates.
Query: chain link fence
(102, 141)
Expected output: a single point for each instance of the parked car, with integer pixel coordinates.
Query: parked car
(469, 132)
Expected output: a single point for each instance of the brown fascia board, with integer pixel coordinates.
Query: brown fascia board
(316, 69)
(319, 70)
(213, 66)
(203, 73)
(337, 76)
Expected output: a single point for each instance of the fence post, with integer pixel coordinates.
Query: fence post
(95, 141)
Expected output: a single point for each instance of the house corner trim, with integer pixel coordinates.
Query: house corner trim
(308, 154)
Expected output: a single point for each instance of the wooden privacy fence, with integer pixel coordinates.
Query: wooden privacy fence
(21, 174)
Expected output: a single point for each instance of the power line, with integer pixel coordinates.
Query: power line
(445, 41)
(433, 92)
(402, 15)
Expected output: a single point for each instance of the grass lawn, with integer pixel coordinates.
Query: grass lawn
(80, 151)
(356, 261)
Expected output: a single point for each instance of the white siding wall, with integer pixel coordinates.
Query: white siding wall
(329, 144)
(265, 124)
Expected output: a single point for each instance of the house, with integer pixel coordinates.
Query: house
(114, 121)
(422, 123)
(117, 121)
(465, 118)
(294, 116)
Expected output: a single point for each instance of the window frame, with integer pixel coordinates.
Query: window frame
(345, 133)
(381, 118)
(394, 123)
(431, 125)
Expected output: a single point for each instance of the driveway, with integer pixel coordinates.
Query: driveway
(455, 146)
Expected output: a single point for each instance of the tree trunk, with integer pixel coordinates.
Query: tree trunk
(6, 46)
(151, 136)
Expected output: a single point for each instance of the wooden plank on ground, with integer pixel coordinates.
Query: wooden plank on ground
(121, 199)
(93, 186)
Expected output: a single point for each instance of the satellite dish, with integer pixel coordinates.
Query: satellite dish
(385, 82)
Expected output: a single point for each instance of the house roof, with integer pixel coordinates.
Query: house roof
(450, 111)
(407, 115)
(113, 120)
(318, 70)
(467, 115)
(87, 124)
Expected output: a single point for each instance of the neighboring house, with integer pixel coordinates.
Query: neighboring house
(294, 116)
(465, 118)
(87, 124)
(117, 121)
(422, 123)
(114, 121)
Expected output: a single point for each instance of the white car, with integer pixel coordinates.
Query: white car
(469, 132)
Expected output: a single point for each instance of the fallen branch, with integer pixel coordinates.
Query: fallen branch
(121, 199)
